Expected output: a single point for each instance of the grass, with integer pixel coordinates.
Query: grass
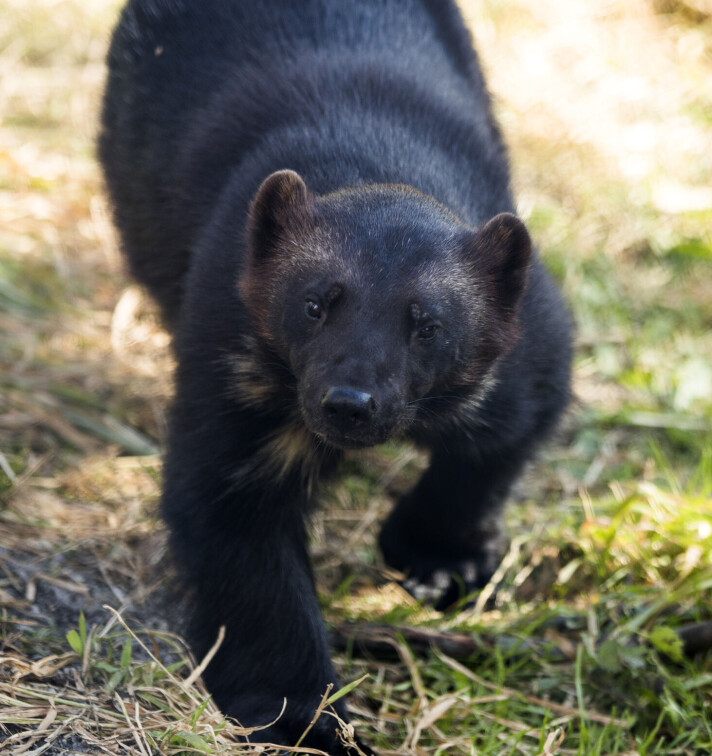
(607, 108)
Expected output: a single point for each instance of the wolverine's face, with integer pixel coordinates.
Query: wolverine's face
(365, 350)
(378, 299)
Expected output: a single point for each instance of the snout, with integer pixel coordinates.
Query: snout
(352, 415)
(348, 410)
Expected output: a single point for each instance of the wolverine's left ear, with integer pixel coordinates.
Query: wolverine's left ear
(500, 252)
(282, 200)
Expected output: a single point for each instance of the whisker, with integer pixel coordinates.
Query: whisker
(433, 398)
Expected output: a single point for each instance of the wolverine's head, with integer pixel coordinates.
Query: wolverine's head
(377, 298)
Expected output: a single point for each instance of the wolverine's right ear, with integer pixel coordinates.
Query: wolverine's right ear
(281, 200)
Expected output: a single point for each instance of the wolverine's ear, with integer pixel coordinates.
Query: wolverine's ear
(282, 199)
(500, 252)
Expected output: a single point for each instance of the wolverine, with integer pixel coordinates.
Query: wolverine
(318, 198)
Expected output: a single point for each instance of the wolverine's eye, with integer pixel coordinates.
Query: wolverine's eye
(426, 333)
(313, 309)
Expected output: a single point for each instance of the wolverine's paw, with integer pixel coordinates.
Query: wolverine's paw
(447, 585)
(268, 721)
(443, 587)
(442, 577)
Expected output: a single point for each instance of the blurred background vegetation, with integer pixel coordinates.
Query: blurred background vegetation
(607, 108)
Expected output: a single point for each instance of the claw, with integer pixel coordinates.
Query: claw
(422, 591)
(468, 570)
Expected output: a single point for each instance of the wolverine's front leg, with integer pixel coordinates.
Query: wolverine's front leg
(235, 502)
(447, 535)
(245, 560)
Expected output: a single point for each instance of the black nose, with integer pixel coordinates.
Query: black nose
(348, 408)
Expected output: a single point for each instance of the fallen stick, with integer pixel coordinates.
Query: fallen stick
(378, 640)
